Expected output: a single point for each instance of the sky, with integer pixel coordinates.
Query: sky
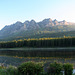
(12, 11)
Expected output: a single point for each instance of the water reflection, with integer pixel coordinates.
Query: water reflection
(73, 71)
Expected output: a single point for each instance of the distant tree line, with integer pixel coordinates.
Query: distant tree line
(41, 42)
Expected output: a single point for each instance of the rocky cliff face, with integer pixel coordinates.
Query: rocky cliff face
(32, 25)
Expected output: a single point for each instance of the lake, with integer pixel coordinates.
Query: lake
(39, 52)
(16, 56)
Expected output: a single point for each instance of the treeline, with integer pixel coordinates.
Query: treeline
(41, 42)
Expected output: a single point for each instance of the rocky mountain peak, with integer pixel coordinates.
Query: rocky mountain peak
(50, 19)
(26, 22)
(18, 22)
(32, 21)
(64, 21)
(47, 20)
(55, 22)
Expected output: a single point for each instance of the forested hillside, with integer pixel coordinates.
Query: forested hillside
(39, 34)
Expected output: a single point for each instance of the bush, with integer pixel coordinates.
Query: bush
(55, 68)
(30, 68)
(2, 67)
(68, 69)
(11, 70)
(38, 68)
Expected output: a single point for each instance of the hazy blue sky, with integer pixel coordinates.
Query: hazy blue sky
(21, 10)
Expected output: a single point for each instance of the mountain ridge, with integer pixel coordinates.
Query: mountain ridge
(32, 28)
(45, 21)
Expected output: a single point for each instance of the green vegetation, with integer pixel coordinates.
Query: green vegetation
(41, 42)
(30, 68)
(55, 68)
(11, 70)
(36, 68)
(68, 68)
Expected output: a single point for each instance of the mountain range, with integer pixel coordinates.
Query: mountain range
(33, 29)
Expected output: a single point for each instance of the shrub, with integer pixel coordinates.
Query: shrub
(11, 70)
(55, 68)
(1, 67)
(38, 68)
(30, 68)
(68, 69)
